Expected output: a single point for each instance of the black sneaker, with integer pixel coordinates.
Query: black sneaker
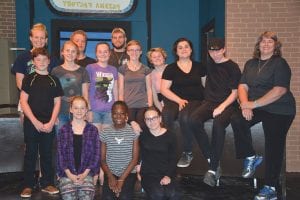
(185, 160)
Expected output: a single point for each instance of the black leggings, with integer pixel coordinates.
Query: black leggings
(275, 128)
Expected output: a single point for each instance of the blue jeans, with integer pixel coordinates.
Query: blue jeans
(37, 142)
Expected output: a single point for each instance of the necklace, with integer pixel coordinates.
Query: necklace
(119, 58)
(260, 67)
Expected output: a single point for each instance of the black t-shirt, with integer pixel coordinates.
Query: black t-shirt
(187, 86)
(86, 61)
(42, 89)
(221, 79)
(276, 72)
(158, 154)
(77, 146)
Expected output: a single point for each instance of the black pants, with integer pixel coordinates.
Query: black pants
(37, 142)
(155, 191)
(127, 189)
(137, 114)
(275, 128)
(171, 112)
(201, 115)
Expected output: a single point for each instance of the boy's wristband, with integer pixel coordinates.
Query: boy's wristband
(256, 105)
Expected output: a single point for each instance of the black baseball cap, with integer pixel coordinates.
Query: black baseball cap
(216, 44)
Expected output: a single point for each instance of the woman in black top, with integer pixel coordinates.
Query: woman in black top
(265, 96)
(182, 88)
(158, 159)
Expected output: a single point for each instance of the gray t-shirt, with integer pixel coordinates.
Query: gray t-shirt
(276, 72)
(135, 92)
(71, 82)
(119, 147)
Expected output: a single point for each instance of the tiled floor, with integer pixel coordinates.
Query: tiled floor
(192, 189)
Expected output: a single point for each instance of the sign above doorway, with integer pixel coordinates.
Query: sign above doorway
(104, 8)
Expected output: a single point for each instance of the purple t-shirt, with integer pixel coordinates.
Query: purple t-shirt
(101, 87)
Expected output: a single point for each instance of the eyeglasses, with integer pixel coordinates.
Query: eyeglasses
(151, 119)
(133, 50)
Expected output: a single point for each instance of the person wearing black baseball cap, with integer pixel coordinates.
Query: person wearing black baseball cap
(220, 101)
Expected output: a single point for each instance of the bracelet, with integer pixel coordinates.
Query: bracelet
(256, 105)
(120, 180)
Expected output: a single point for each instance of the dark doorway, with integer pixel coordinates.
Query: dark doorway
(207, 31)
(96, 31)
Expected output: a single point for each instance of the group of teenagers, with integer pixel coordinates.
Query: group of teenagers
(113, 117)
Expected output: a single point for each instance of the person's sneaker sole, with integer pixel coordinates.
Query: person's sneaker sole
(55, 192)
(25, 195)
(258, 198)
(183, 165)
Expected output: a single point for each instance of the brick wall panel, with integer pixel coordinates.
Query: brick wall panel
(8, 20)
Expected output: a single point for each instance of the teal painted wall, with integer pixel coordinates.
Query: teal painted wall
(170, 19)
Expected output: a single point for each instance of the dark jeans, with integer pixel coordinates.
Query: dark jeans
(155, 191)
(137, 114)
(201, 115)
(275, 128)
(126, 192)
(37, 142)
(171, 112)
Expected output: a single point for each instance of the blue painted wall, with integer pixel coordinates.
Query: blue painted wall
(170, 19)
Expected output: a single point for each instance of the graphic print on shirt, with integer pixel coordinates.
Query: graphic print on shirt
(68, 82)
(104, 86)
(30, 67)
(119, 140)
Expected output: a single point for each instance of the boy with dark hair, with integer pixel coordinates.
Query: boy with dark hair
(40, 100)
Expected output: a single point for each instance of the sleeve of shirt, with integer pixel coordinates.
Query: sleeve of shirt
(235, 76)
(168, 73)
(94, 165)
(122, 70)
(243, 79)
(58, 91)
(19, 65)
(115, 73)
(86, 77)
(282, 74)
(147, 70)
(201, 67)
(26, 84)
(102, 136)
(62, 151)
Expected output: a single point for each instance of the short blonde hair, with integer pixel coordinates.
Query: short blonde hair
(40, 27)
(157, 49)
(71, 43)
(78, 32)
(133, 42)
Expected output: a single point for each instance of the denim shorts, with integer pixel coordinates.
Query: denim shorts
(102, 117)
